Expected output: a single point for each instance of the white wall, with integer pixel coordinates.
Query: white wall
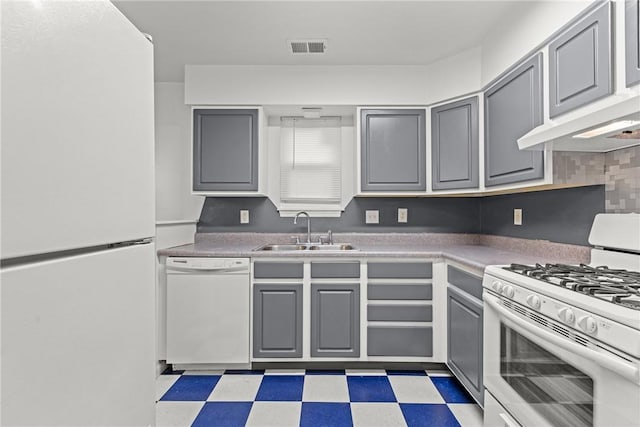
(454, 76)
(174, 200)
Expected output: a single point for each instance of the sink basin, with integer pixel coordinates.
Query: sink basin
(336, 247)
(302, 247)
(285, 247)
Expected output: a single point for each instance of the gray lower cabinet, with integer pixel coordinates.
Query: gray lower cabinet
(225, 149)
(580, 66)
(335, 320)
(632, 41)
(454, 139)
(409, 341)
(512, 107)
(277, 320)
(464, 332)
(393, 149)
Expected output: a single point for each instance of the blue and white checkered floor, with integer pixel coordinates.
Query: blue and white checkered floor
(314, 398)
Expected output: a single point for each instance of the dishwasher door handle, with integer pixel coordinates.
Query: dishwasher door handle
(221, 269)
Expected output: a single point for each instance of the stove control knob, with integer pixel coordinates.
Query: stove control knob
(533, 301)
(497, 286)
(508, 291)
(588, 324)
(567, 315)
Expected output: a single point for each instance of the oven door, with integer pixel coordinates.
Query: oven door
(542, 376)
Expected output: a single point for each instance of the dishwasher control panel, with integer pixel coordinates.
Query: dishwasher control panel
(208, 263)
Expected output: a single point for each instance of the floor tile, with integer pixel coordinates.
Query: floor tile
(281, 388)
(421, 415)
(467, 414)
(325, 388)
(176, 414)
(438, 373)
(274, 414)
(325, 415)
(413, 389)
(406, 372)
(244, 372)
(164, 383)
(325, 372)
(232, 388)
(451, 390)
(192, 387)
(370, 389)
(284, 372)
(377, 414)
(366, 372)
(223, 414)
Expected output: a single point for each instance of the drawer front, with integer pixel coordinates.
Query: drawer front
(278, 270)
(400, 341)
(465, 281)
(399, 292)
(400, 313)
(400, 270)
(335, 270)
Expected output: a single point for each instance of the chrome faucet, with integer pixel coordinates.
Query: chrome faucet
(295, 221)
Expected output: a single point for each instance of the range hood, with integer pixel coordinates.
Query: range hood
(606, 125)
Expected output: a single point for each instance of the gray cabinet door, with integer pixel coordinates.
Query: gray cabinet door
(225, 150)
(580, 63)
(464, 340)
(335, 320)
(277, 320)
(632, 41)
(512, 107)
(393, 148)
(454, 139)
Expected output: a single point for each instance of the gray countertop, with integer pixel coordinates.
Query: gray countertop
(474, 252)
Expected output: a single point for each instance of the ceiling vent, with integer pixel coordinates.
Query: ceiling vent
(307, 46)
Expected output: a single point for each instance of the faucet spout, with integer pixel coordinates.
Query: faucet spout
(295, 221)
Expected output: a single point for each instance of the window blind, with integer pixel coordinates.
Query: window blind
(310, 160)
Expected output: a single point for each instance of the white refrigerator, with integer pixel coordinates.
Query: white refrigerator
(77, 219)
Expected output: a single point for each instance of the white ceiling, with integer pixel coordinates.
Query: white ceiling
(361, 32)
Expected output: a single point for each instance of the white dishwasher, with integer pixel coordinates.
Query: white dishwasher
(208, 311)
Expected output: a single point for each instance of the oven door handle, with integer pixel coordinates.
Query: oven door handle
(626, 370)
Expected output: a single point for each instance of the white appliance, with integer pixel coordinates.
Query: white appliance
(77, 270)
(562, 342)
(208, 312)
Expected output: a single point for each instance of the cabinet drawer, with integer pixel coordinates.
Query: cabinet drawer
(400, 313)
(399, 270)
(335, 269)
(399, 292)
(465, 281)
(278, 270)
(400, 341)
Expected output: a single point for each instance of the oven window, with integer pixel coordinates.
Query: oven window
(560, 393)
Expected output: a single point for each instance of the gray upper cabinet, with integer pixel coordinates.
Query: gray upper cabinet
(454, 139)
(580, 62)
(632, 41)
(393, 148)
(512, 107)
(335, 320)
(225, 150)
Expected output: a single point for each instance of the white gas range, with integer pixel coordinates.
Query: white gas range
(562, 342)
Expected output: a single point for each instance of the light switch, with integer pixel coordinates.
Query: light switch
(402, 214)
(244, 216)
(372, 217)
(517, 217)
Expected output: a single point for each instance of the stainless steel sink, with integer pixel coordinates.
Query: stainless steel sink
(302, 247)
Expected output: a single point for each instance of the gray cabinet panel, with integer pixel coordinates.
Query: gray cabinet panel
(400, 341)
(580, 63)
(335, 320)
(454, 139)
(466, 282)
(513, 106)
(349, 269)
(399, 270)
(277, 320)
(464, 340)
(399, 292)
(225, 150)
(393, 150)
(278, 270)
(632, 41)
(400, 313)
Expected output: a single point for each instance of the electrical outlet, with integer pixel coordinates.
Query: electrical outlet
(402, 214)
(372, 217)
(244, 216)
(517, 217)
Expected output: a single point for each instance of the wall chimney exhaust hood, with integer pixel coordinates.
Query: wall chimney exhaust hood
(606, 125)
